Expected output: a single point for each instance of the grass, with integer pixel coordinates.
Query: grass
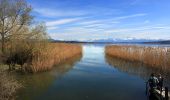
(54, 53)
(8, 86)
(152, 56)
(39, 56)
(138, 68)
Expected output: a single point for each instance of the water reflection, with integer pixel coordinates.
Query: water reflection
(89, 79)
(35, 85)
(137, 68)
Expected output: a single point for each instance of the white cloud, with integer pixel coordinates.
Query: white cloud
(62, 21)
(130, 16)
(52, 27)
(89, 22)
(58, 13)
(94, 25)
(134, 29)
(84, 28)
(82, 33)
(114, 20)
(97, 22)
(79, 36)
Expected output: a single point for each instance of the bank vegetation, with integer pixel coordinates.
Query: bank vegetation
(152, 56)
(24, 45)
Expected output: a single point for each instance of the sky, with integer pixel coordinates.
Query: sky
(88, 20)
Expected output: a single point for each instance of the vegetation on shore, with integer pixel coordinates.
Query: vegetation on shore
(52, 54)
(138, 68)
(40, 56)
(152, 56)
(36, 84)
(24, 45)
(8, 86)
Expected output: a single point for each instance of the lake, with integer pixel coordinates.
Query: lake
(91, 76)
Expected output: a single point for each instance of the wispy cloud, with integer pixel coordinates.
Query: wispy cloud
(88, 19)
(99, 27)
(130, 16)
(58, 13)
(62, 21)
(85, 33)
(79, 36)
(94, 23)
(89, 22)
(108, 22)
(52, 27)
(95, 26)
(140, 29)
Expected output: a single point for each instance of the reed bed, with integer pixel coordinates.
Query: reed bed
(8, 86)
(138, 68)
(152, 56)
(52, 54)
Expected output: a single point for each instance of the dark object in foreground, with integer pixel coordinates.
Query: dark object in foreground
(159, 93)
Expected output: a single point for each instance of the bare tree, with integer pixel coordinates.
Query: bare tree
(14, 15)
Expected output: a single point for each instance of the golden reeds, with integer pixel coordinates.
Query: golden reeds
(152, 56)
(8, 86)
(54, 53)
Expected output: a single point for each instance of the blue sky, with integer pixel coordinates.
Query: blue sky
(104, 19)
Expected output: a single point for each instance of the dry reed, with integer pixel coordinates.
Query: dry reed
(44, 58)
(137, 68)
(8, 86)
(152, 56)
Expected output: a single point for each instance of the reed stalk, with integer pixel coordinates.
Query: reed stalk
(152, 56)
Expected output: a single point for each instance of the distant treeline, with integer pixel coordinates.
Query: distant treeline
(113, 42)
(159, 42)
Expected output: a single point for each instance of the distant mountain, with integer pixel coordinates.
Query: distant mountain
(151, 41)
(160, 42)
(134, 40)
(125, 40)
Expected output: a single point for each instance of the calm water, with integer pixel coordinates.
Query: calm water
(92, 76)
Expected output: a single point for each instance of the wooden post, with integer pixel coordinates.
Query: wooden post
(166, 93)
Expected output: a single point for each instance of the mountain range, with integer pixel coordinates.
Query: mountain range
(155, 41)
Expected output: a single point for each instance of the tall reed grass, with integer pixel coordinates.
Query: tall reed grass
(8, 86)
(53, 53)
(137, 68)
(152, 56)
